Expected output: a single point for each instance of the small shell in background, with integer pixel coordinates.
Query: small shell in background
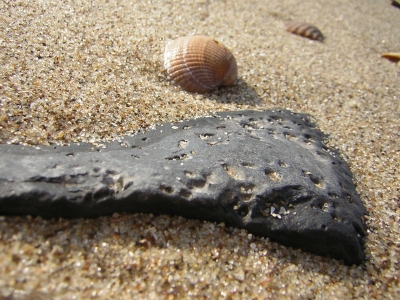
(304, 29)
(199, 64)
(392, 56)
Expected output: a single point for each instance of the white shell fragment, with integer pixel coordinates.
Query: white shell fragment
(274, 214)
(199, 64)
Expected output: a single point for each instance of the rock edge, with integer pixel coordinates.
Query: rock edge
(269, 172)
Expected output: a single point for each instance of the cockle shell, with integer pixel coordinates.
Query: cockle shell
(199, 64)
(304, 29)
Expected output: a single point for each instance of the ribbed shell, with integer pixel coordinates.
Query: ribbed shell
(199, 64)
(304, 29)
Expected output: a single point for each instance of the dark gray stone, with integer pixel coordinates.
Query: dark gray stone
(269, 172)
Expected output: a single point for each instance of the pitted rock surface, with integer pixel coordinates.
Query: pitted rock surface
(269, 172)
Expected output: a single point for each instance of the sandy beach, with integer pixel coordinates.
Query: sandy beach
(92, 71)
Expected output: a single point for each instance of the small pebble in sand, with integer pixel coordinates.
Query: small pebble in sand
(199, 64)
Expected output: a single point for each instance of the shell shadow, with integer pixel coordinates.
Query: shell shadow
(239, 93)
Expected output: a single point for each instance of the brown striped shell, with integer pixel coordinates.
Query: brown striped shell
(304, 29)
(199, 64)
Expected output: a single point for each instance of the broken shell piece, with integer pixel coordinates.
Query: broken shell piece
(199, 64)
(305, 30)
(274, 214)
(392, 56)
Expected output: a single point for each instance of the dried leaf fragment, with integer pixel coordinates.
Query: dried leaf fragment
(392, 56)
